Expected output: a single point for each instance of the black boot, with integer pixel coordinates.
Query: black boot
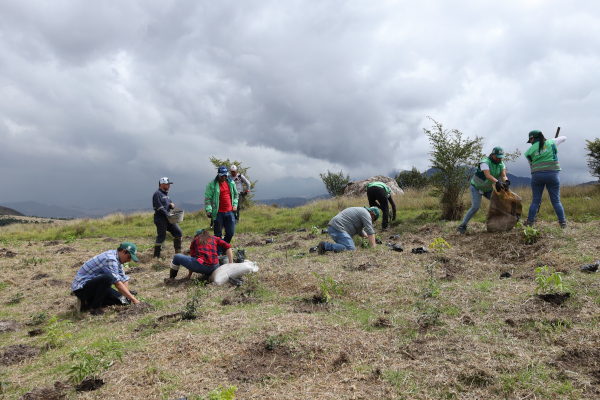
(177, 245)
(173, 273)
(157, 248)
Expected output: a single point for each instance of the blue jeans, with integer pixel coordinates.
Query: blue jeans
(225, 220)
(192, 264)
(551, 181)
(475, 204)
(342, 240)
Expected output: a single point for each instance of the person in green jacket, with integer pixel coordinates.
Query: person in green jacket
(490, 173)
(378, 194)
(220, 201)
(543, 160)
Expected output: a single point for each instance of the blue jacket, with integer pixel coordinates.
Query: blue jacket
(161, 203)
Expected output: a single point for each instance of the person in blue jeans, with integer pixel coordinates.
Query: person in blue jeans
(203, 257)
(543, 160)
(221, 201)
(351, 221)
(490, 173)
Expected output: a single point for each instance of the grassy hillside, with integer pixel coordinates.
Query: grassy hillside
(398, 325)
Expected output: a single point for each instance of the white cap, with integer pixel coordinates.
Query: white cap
(233, 168)
(165, 181)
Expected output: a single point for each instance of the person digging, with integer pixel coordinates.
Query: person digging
(93, 281)
(379, 194)
(490, 172)
(349, 222)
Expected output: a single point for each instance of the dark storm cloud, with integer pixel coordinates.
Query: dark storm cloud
(131, 91)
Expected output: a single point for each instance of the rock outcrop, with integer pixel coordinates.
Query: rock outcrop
(355, 189)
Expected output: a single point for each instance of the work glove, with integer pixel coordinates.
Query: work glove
(498, 186)
(209, 215)
(506, 184)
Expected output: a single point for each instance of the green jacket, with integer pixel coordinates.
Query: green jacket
(546, 160)
(480, 181)
(211, 196)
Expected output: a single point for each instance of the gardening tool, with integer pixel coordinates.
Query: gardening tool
(557, 131)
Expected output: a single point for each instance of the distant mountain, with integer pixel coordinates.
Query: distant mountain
(35, 209)
(291, 202)
(10, 211)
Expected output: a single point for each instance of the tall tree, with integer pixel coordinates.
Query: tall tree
(241, 170)
(594, 157)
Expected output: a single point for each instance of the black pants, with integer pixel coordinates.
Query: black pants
(98, 292)
(378, 198)
(162, 226)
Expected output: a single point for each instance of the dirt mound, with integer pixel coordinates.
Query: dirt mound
(258, 362)
(8, 326)
(135, 310)
(241, 299)
(359, 188)
(58, 392)
(65, 250)
(57, 282)
(52, 243)
(17, 353)
(40, 276)
(7, 253)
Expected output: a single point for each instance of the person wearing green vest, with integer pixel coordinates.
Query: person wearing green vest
(490, 172)
(543, 160)
(379, 194)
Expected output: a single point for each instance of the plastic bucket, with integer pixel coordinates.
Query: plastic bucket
(176, 217)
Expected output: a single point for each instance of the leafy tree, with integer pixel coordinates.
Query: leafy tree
(594, 157)
(335, 183)
(453, 158)
(246, 200)
(412, 179)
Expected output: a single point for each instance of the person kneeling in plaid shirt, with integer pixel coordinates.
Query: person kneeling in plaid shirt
(204, 259)
(92, 284)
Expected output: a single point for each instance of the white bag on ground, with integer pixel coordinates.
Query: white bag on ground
(234, 270)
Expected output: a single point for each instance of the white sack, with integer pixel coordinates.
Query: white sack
(234, 270)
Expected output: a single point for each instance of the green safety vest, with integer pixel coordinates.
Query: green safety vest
(480, 181)
(381, 185)
(546, 160)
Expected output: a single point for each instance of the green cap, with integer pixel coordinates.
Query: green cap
(534, 134)
(375, 211)
(498, 152)
(199, 231)
(130, 248)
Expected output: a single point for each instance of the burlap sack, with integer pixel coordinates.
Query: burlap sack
(504, 212)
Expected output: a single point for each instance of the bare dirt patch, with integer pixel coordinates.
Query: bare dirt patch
(40, 276)
(56, 392)
(257, 363)
(7, 253)
(241, 298)
(65, 250)
(293, 245)
(135, 310)
(52, 243)
(57, 283)
(555, 298)
(362, 267)
(16, 353)
(8, 326)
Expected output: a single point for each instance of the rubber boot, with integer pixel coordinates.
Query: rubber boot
(173, 273)
(177, 245)
(157, 248)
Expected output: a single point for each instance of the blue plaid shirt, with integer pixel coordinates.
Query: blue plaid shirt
(106, 263)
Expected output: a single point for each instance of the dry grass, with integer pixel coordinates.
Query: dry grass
(379, 339)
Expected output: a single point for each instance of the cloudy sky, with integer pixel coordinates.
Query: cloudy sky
(98, 100)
